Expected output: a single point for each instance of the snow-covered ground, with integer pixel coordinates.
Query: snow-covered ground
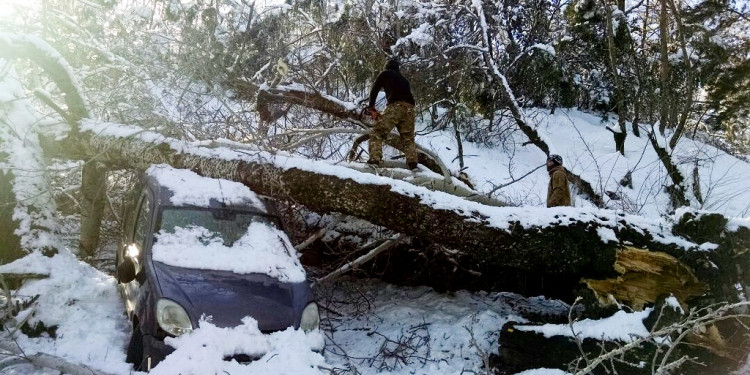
(370, 327)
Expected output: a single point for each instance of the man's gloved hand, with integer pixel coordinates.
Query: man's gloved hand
(374, 113)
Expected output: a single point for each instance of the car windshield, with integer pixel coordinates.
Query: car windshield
(226, 240)
(228, 225)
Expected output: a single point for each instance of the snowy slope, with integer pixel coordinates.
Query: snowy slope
(588, 150)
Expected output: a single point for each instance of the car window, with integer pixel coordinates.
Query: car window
(141, 222)
(229, 225)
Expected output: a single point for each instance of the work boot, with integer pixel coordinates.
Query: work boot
(412, 165)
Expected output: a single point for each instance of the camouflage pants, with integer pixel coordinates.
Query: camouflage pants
(401, 116)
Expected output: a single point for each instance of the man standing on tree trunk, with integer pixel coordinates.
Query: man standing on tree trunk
(558, 193)
(399, 113)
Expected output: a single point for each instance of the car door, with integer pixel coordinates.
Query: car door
(135, 239)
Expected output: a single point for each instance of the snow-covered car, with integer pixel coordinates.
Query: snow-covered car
(200, 248)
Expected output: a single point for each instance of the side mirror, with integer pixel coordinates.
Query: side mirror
(126, 270)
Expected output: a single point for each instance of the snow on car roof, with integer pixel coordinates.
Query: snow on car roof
(189, 188)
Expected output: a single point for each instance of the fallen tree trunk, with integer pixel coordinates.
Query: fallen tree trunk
(582, 243)
(580, 249)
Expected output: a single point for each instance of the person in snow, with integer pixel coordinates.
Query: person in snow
(558, 193)
(399, 113)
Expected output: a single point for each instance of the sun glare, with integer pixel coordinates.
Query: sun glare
(12, 9)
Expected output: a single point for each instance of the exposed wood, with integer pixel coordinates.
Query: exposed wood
(645, 276)
(574, 248)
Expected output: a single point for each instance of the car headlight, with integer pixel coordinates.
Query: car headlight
(172, 318)
(310, 317)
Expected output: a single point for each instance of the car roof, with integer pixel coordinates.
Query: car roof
(185, 188)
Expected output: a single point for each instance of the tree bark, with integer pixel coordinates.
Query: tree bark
(379, 204)
(676, 190)
(621, 109)
(688, 81)
(664, 68)
(93, 188)
(10, 244)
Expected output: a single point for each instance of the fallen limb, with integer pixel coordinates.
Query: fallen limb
(363, 259)
(47, 361)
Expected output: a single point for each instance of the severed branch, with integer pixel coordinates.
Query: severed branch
(363, 259)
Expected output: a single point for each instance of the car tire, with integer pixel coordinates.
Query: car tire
(134, 354)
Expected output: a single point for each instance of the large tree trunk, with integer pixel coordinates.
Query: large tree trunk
(556, 242)
(93, 189)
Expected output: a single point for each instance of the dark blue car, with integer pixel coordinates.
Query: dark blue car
(195, 248)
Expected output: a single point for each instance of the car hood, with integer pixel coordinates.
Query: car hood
(228, 297)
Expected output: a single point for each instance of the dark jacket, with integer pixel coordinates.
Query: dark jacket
(397, 88)
(558, 192)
